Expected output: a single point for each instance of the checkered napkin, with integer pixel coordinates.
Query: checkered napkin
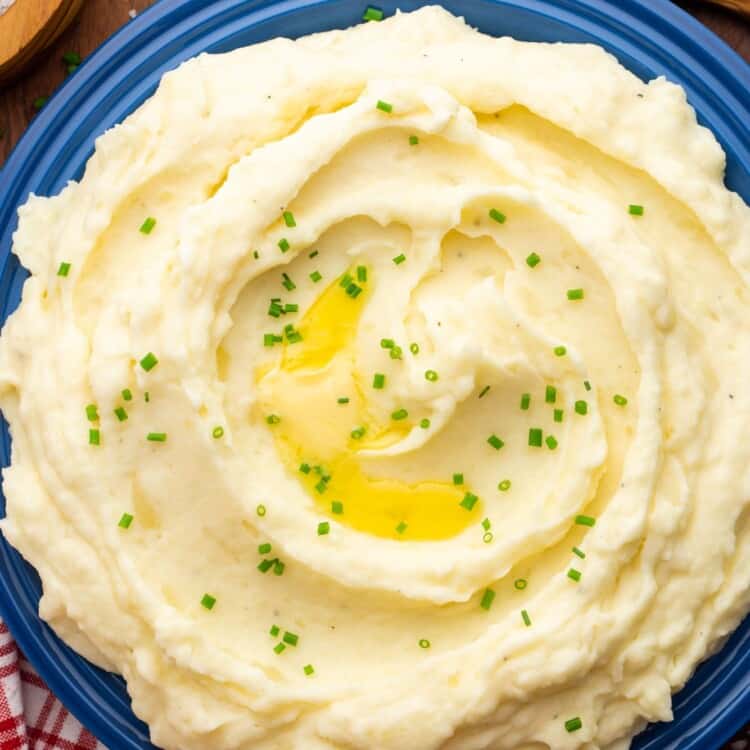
(31, 718)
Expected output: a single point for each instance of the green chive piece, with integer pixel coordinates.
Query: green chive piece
(91, 413)
(560, 351)
(308, 669)
(149, 362)
(581, 407)
(559, 415)
(208, 601)
(487, 598)
(458, 479)
(278, 568)
(399, 414)
(125, 521)
(256, 254)
(279, 648)
(525, 401)
(274, 631)
(525, 617)
(424, 423)
(315, 277)
(635, 210)
(520, 584)
(424, 643)
(431, 375)
(287, 283)
(284, 244)
(550, 394)
(353, 290)
(358, 433)
(551, 442)
(484, 391)
(384, 106)
(71, 58)
(495, 442)
(399, 259)
(265, 565)
(290, 638)
(533, 260)
(121, 414)
(373, 14)
(289, 219)
(575, 294)
(127, 395)
(486, 524)
(321, 486)
(574, 575)
(504, 486)
(95, 437)
(387, 343)
(587, 385)
(469, 501)
(314, 254)
(40, 101)
(574, 724)
(157, 437)
(346, 279)
(146, 397)
(414, 349)
(304, 468)
(218, 432)
(261, 510)
(585, 520)
(378, 380)
(148, 225)
(265, 548)
(273, 419)
(499, 217)
(488, 537)
(290, 307)
(579, 553)
(337, 507)
(71, 69)
(324, 528)
(396, 352)
(342, 400)
(402, 527)
(413, 140)
(362, 274)
(64, 269)
(535, 437)
(620, 400)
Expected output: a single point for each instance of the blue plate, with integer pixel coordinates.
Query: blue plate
(651, 37)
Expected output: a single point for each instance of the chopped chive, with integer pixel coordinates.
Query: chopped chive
(362, 274)
(525, 401)
(63, 269)
(157, 437)
(265, 565)
(384, 106)
(94, 437)
(146, 396)
(372, 14)
(550, 394)
(424, 643)
(487, 598)
(289, 219)
(127, 395)
(551, 442)
(525, 617)
(148, 225)
(579, 553)
(575, 294)
(497, 216)
(278, 568)
(399, 259)
(125, 521)
(396, 352)
(431, 375)
(587, 385)
(487, 537)
(486, 524)
(353, 290)
(504, 486)
(321, 486)
(290, 638)
(469, 501)
(342, 400)
(315, 277)
(358, 433)
(256, 254)
(261, 510)
(520, 584)
(574, 575)
(290, 307)
(208, 601)
(533, 260)
(279, 648)
(275, 310)
(414, 349)
(71, 58)
(402, 527)
(91, 413)
(337, 507)
(581, 407)
(484, 391)
(574, 724)
(535, 437)
(121, 414)
(217, 432)
(458, 479)
(635, 210)
(495, 442)
(149, 362)
(274, 631)
(346, 279)
(284, 244)
(273, 419)
(620, 400)
(559, 415)
(387, 343)
(585, 520)
(413, 140)
(424, 423)
(378, 380)
(314, 254)
(399, 414)
(323, 528)
(287, 283)
(308, 669)
(264, 549)
(560, 351)
(304, 468)
(39, 102)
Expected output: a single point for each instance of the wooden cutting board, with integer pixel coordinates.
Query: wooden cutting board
(741, 6)
(28, 27)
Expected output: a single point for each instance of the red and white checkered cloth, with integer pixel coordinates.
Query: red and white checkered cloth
(31, 717)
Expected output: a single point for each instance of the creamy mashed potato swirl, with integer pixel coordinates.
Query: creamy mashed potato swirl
(414, 416)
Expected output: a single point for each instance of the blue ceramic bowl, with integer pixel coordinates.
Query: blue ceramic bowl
(651, 37)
